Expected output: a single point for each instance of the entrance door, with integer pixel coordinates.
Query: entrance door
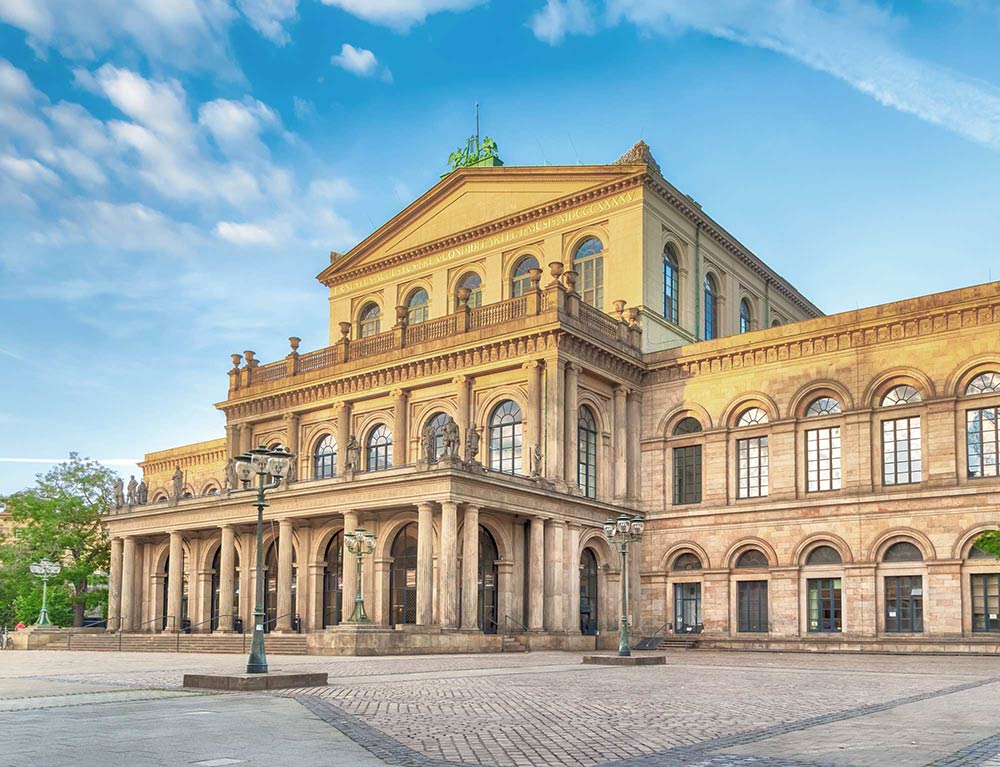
(488, 556)
(333, 582)
(588, 593)
(687, 608)
(403, 577)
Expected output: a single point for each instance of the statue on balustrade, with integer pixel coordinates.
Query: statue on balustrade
(428, 443)
(292, 470)
(450, 438)
(536, 462)
(178, 480)
(142, 493)
(472, 443)
(353, 454)
(130, 497)
(119, 493)
(229, 482)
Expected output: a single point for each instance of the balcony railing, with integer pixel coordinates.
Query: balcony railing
(552, 304)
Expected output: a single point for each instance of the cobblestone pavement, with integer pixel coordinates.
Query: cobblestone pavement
(702, 708)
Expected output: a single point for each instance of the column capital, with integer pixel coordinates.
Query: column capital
(425, 505)
(289, 416)
(573, 367)
(472, 507)
(460, 379)
(228, 526)
(342, 405)
(285, 522)
(532, 364)
(622, 390)
(400, 393)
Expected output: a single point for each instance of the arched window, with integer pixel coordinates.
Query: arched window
(520, 282)
(903, 394)
(982, 441)
(436, 424)
(474, 283)
(746, 320)
(670, 286)
(417, 307)
(379, 448)
(823, 406)
(325, 457)
(753, 416)
(904, 551)
(711, 308)
(213, 490)
(775, 323)
(586, 452)
(686, 561)
(687, 425)
(750, 559)
(984, 383)
(505, 438)
(403, 577)
(369, 320)
(824, 555)
(588, 261)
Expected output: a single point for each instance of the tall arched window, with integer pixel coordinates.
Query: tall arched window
(752, 457)
(325, 458)
(586, 452)
(403, 577)
(982, 429)
(824, 595)
(379, 448)
(436, 425)
(823, 448)
(746, 319)
(417, 307)
(505, 438)
(902, 455)
(520, 282)
(670, 287)
(984, 383)
(369, 320)
(474, 283)
(711, 308)
(588, 261)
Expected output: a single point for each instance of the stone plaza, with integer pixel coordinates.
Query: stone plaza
(543, 708)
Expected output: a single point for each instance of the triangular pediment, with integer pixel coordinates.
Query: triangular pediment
(470, 198)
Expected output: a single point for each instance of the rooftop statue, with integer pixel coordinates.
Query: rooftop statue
(475, 153)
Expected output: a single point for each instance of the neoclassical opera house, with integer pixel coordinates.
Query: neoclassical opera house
(524, 352)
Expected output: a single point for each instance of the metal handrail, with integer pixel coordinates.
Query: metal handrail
(668, 625)
(507, 619)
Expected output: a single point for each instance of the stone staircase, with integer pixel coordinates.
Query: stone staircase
(512, 644)
(668, 642)
(276, 644)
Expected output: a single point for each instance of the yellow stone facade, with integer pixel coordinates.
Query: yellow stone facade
(555, 318)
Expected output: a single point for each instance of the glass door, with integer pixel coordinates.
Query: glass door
(687, 608)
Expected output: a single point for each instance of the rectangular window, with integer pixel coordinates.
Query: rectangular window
(823, 459)
(825, 609)
(687, 608)
(751, 467)
(687, 474)
(981, 441)
(986, 602)
(901, 462)
(752, 606)
(904, 604)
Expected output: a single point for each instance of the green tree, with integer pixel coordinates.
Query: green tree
(990, 542)
(59, 518)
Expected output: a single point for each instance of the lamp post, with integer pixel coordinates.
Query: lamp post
(624, 531)
(359, 543)
(44, 569)
(270, 466)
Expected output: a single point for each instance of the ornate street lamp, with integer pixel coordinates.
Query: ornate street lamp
(44, 569)
(270, 467)
(624, 531)
(359, 543)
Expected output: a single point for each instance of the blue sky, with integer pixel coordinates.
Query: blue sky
(173, 175)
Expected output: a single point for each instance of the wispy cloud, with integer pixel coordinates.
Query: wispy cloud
(361, 62)
(400, 15)
(852, 40)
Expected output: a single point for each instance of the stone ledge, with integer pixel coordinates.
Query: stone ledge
(273, 680)
(626, 660)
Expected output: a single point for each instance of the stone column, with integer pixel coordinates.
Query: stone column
(350, 566)
(227, 578)
(292, 443)
(175, 585)
(284, 607)
(115, 586)
(463, 399)
(343, 437)
(536, 575)
(570, 424)
(128, 584)
(447, 568)
(247, 574)
(555, 390)
(633, 446)
(399, 422)
(425, 564)
(533, 433)
(246, 437)
(470, 569)
(571, 563)
(620, 441)
(554, 591)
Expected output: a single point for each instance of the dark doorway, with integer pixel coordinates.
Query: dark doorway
(588, 593)
(403, 577)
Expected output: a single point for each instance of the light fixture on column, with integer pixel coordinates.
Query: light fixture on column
(270, 467)
(624, 531)
(360, 542)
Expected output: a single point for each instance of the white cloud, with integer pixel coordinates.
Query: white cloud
(399, 14)
(560, 18)
(244, 234)
(269, 16)
(304, 108)
(236, 126)
(361, 62)
(27, 171)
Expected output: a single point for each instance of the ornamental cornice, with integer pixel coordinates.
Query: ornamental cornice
(834, 339)
(687, 208)
(490, 228)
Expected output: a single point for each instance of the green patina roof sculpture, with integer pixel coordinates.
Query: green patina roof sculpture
(476, 154)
